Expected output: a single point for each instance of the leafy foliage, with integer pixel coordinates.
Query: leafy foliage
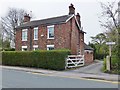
(99, 38)
(111, 23)
(54, 59)
(99, 45)
(115, 62)
(5, 44)
(9, 49)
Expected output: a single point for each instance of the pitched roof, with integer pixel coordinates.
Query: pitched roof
(48, 21)
(87, 47)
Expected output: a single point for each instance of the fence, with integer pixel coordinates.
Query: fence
(74, 61)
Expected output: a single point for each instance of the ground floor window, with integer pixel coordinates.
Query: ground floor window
(24, 48)
(35, 47)
(50, 47)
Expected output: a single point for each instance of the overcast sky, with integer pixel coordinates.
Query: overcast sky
(89, 11)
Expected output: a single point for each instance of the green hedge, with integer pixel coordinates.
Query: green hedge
(115, 62)
(9, 49)
(54, 59)
(100, 56)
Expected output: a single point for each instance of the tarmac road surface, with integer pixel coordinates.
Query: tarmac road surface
(22, 79)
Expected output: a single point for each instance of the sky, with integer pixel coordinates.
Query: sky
(89, 11)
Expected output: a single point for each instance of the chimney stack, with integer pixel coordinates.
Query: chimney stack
(27, 18)
(78, 19)
(71, 9)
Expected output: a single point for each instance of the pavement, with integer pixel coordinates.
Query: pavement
(92, 71)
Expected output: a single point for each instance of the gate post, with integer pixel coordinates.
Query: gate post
(108, 63)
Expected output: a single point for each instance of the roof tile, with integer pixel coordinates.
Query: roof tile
(48, 21)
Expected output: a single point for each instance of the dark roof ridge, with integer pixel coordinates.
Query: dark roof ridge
(87, 47)
(50, 18)
(47, 21)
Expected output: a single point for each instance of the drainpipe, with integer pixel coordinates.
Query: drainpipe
(30, 38)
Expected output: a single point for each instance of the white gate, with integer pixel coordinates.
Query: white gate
(74, 61)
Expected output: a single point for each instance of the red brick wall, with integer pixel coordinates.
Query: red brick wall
(73, 38)
(61, 39)
(67, 36)
(76, 38)
(27, 43)
(18, 42)
(42, 40)
(88, 55)
(82, 43)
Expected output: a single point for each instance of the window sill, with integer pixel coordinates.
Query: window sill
(50, 38)
(35, 39)
(24, 40)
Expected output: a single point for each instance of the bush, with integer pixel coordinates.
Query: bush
(1, 49)
(54, 59)
(9, 49)
(115, 62)
(100, 56)
(104, 65)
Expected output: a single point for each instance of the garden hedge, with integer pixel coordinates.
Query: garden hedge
(115, 62)
(54, 59)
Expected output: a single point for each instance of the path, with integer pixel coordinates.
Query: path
(94, 68)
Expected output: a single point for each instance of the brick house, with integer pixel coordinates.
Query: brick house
(52, 33)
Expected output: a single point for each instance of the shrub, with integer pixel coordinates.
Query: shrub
(9, 49)
(115, 62)
(104, 65)
(54, 59)
(100, 56)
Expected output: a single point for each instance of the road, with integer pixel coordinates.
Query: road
(22, 79)
(94, 68)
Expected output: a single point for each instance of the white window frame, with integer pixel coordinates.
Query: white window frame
(36, 28)
(24, 47)
(25, 30)
(48, 37)
(89, 51)
(35, 46)
(49, 46)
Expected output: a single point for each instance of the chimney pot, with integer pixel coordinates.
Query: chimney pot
(71, 9)
(78, 19)
(78, 14)
(27, 17)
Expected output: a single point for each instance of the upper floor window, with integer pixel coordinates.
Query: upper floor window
(50, 32)
(36, 33)
(24, 35)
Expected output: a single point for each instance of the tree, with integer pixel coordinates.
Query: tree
(0, 41)
(1, 35)
(111, 22)
(99, 38)
(6, 44)
(100, 48)
(110, 15)
(13, 18)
